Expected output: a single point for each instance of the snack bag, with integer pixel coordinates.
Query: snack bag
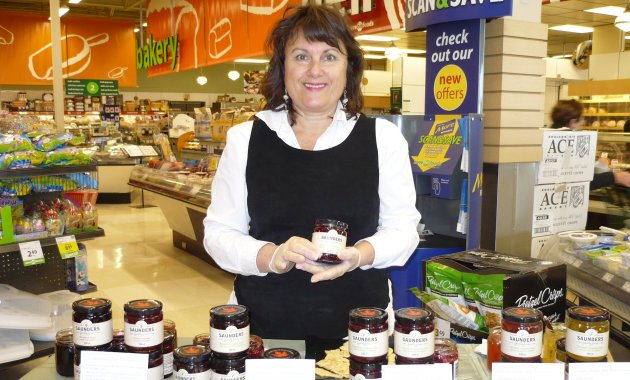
(445, 282)
(489, 290)
(15, 143)
(451, 311)
(469, 281)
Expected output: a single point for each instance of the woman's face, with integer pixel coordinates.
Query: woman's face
(576, 124)
(315, 75)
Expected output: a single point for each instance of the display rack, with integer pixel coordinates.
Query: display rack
(600, 114)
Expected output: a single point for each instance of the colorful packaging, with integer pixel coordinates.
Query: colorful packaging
(77, 271)
(445, 282)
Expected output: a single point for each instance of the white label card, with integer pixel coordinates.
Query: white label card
(148, 150)
(438, 371)
(527, 371)
(598, 371)
(133, 150)
(97, 365)
(32, 253)
(442, 328)
(285, 369)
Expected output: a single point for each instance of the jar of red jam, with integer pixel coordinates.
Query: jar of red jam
(92, 323)
(256, 347)
(360, 371)
(367, 334)
(330, 236)
(521, 335)
(118, 341)
(446, 352)
(414, 337)
(191, 362)
(170, 328)
(64, 352)
(156, 365)
(224, 369)
(229, 331)
(281, 353)
(168, 346)
(144, 325)
(202, 339)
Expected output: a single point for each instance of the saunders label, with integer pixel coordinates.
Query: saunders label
(90, 334)
(230, 340)
(590, 343)
(522, 344)
(232, 375)
(329, 242)
(142, 334)
(182, 374)
(414, 345)
(367, 345)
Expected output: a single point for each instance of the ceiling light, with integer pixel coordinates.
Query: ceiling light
(374, 56)
(63, 11)
(136, 29)
(234, 75)
(74, 1)
(376, 38)
(202, 79)
(623, 20)
(251, 60)
(145, 24)
(627, 37)
(609, 11)
(563, 56)
(373, 48)
(392, 52)
(382, 49)
(572, 28)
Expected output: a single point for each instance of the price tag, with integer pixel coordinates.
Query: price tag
(67, 246)
(626, 287)
(598, 371)
(608, 277)
(527, 371)
(438, 371)
(442, 328)
(294, 369)
(195, 189)
(32, 253)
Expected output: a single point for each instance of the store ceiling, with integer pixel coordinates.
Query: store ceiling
(553, 14)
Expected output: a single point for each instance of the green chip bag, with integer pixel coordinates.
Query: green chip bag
(445, 282)
(489, 291)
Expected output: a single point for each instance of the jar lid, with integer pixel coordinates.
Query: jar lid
(64, 336)
(370, 316)
(92, 305)
(142, 307)
(281, 353)
(192, 354)
(414, 315)
(228, 313)
(522, 314)
(331, 223)
(367, 367)
(589, 313)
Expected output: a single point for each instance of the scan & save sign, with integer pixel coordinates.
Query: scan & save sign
(421, 13)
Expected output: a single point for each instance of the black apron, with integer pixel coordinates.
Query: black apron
(288, 189)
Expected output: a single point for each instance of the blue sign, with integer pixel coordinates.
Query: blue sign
(452, 71)
(420, 13)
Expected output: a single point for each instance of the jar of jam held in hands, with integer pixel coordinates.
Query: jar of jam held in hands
(256, 347)
(330, 236)
(446, 352)
(224, 369)
(367, 334)
(64, 352)
(191, 362)
(588, 328)
(156, 365)
(360, 371)
(92, 322)
(281, 353)
(414, 337)
(229, 331)
(521, 335)
(144, 325)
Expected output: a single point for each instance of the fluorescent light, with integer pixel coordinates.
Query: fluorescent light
(74, 1)
(563, 56)
(382, 49)
(374, 56)
(251, 60)
(572, 28)
(368, 37)
(136, 29)
(145, 24)
(372, 48)
(63, 11)
(609, 11)
(627, 37)
(623, 20)
(392, 52)
(413, 51)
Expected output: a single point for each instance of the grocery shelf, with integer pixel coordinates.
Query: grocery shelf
(48, 170)
(585, 114)
(50, 241)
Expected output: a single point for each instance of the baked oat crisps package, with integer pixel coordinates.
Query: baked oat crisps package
(469, 280)
(445, 282)
(489, 291)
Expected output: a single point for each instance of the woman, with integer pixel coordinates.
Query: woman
(311, 155)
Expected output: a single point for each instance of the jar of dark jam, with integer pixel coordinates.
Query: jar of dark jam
(256, 347)
(229, 331)
(521, 335)
(168, 346)
(330, 236)
(78, 350)
(367, 335)
(144, 325)
(224, 369)
(92, 322)
(360, 371)
(170, 328)
(561, 350)
(191, 360)
(588, 329)
(156, 365)
(64, 352)
(414, 337)
(446, 352)
(118, 341)
(281, 353)
(202, 339)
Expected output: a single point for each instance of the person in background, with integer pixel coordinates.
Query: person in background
(567, 114)
(311, 154)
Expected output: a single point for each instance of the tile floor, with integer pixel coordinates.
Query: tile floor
(136, 259)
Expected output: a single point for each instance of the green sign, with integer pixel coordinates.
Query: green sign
(91, 87)
(155, 53)
(395, 97)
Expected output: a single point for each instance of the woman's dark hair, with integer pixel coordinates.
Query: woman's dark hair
(317, 23)
(626, 126)
(565, 111)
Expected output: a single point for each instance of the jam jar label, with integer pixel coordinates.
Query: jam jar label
(367, 345)
(142, 334)
(522, 344)
(156, 373)
(230, 340)
(168, 363)
(90, 334)
(182, 374)
(232, 375)
(590, 343)
(359, 377)
(329, 242)
(414, 345)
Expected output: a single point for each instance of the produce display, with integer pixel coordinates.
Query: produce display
(40, 150)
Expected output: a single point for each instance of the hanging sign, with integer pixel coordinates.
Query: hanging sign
(421, 13)
(91, 87)
(155, 53)
(438, 146)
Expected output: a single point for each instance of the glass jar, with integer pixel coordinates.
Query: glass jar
(168, 346)
(202, 339)
(446, 352)
(144, 326)
(330, 236)
(360, 371)
(367, 334)
(156, 365)
(281, 353)
(587, 333)
(521, 335)
(494, 346)
(92, 322)
(223, 369)
(414, 337)
(229, 331)
(561, 351)
(64, 352)
(550, 337)
(191, 360)
(118, 340)
(256, 347)
(170, 328)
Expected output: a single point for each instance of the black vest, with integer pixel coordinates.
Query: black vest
(288, 189)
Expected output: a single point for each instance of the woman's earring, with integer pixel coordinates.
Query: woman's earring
(286, 99)
(344, 99)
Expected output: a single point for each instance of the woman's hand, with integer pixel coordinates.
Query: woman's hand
(351, 258)
(622, 178)
(296, 250)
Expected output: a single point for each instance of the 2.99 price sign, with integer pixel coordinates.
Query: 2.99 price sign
(32, 253)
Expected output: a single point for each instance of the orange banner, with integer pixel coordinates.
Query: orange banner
(92, 48)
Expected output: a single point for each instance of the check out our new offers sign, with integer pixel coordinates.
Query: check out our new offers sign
(421, 13)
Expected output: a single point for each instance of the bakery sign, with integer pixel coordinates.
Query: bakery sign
(155, 53)
(421, 13)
